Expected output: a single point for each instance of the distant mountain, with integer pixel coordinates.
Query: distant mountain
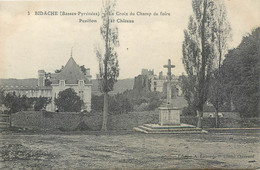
(19, 82)
(120, 86)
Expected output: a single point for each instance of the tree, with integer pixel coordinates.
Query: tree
(125, 105)
(47, 79)
(11, 102)
(120, 104)
(2, 96)
(108, 64)
(16, 103)
(188, 88)
(24, 102)
(242, 72)
(217, 94)
(59, 70)
(83, 69)
(198, 52)
(41, 103)
(222, 36)
(68, 101)
(97, 103)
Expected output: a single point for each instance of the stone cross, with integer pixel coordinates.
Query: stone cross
(169, 75)
(169, 66)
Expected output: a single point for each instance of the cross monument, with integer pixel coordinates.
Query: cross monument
(169, 66)
(169, 116)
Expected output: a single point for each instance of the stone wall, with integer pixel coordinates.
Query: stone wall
(70, 121)
(224, 122)
(53, 120)
(133, 119)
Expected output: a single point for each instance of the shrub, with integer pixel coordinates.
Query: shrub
(68, 101)
(188, 111)
(16, 103)
(97, 103)
(41, 103)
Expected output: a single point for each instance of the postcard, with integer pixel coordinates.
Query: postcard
(129, 84)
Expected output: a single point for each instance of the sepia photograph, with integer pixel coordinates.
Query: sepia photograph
(150, 84)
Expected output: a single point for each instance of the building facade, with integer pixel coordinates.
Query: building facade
(70, 76)
(150, 81)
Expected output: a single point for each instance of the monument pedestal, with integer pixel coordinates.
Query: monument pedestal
(169, 116)
(169, 129)
(169, 122)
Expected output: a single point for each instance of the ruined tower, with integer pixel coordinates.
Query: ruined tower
(41, 78)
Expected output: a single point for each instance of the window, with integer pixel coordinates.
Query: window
(81, 95)
(62, 82)
(81, 83)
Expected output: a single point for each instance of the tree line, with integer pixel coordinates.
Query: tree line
(67, 101)
(128, 101)
(215, 74)
(240, 74)
(16, 103)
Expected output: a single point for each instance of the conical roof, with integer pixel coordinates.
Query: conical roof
(71, 73)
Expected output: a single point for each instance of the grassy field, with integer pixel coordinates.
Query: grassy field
(82, 150)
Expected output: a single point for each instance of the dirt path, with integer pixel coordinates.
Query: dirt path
(129, 150)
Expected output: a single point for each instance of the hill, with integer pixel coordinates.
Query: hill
(19, 82)
(121, 86)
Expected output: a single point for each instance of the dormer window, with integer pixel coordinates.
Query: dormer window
(81, 83)
(62, 83)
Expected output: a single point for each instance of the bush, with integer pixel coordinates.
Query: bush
(2, 96)
(128, 101)
(97, 103)
(118, 104)
(16, 103)
(188, 111)
(68, 101)
(142, 107)
(41, 103)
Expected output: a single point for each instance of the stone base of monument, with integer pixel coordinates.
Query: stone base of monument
(175, 129)
(169, 122)
(169, 115)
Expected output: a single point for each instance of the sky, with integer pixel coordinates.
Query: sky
(32, 42)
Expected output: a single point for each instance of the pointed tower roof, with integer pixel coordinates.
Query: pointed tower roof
(71, 73)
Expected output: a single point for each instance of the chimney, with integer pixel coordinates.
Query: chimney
(161, 75)
(88, 74)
